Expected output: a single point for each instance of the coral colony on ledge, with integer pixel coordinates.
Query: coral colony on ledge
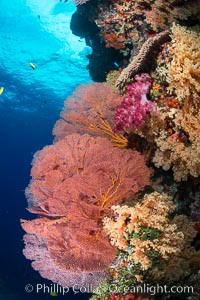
(117, 195)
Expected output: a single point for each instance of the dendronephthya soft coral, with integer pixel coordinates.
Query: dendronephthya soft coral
(135, 106)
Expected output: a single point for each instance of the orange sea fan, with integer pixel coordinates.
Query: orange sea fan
(74, 183)
(91, 109)
(88, 166)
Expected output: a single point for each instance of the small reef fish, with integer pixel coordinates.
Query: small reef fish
(32, 65)
(1, 90)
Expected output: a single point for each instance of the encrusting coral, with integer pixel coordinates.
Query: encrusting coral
(125, 24)
(163, 13)
(74, 183)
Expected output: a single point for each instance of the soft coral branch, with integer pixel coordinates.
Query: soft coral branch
(135, 105)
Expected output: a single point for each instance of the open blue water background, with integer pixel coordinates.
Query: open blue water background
(34, 31)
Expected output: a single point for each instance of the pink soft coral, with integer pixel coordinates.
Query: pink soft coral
(135, 105)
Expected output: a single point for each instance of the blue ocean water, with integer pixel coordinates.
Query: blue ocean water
(37, 32)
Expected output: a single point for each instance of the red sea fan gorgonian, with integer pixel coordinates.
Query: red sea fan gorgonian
(74, 183)
(59, 168)
(85, 110)
(90, 109)
(132, 111)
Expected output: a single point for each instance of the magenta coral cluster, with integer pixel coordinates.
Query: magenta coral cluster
(135, 105)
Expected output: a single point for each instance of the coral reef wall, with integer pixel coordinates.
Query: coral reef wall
(122, 176)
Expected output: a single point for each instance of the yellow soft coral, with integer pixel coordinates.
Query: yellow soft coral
(176, 134)
(147, 229)
(184, 68)
(183, 157)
